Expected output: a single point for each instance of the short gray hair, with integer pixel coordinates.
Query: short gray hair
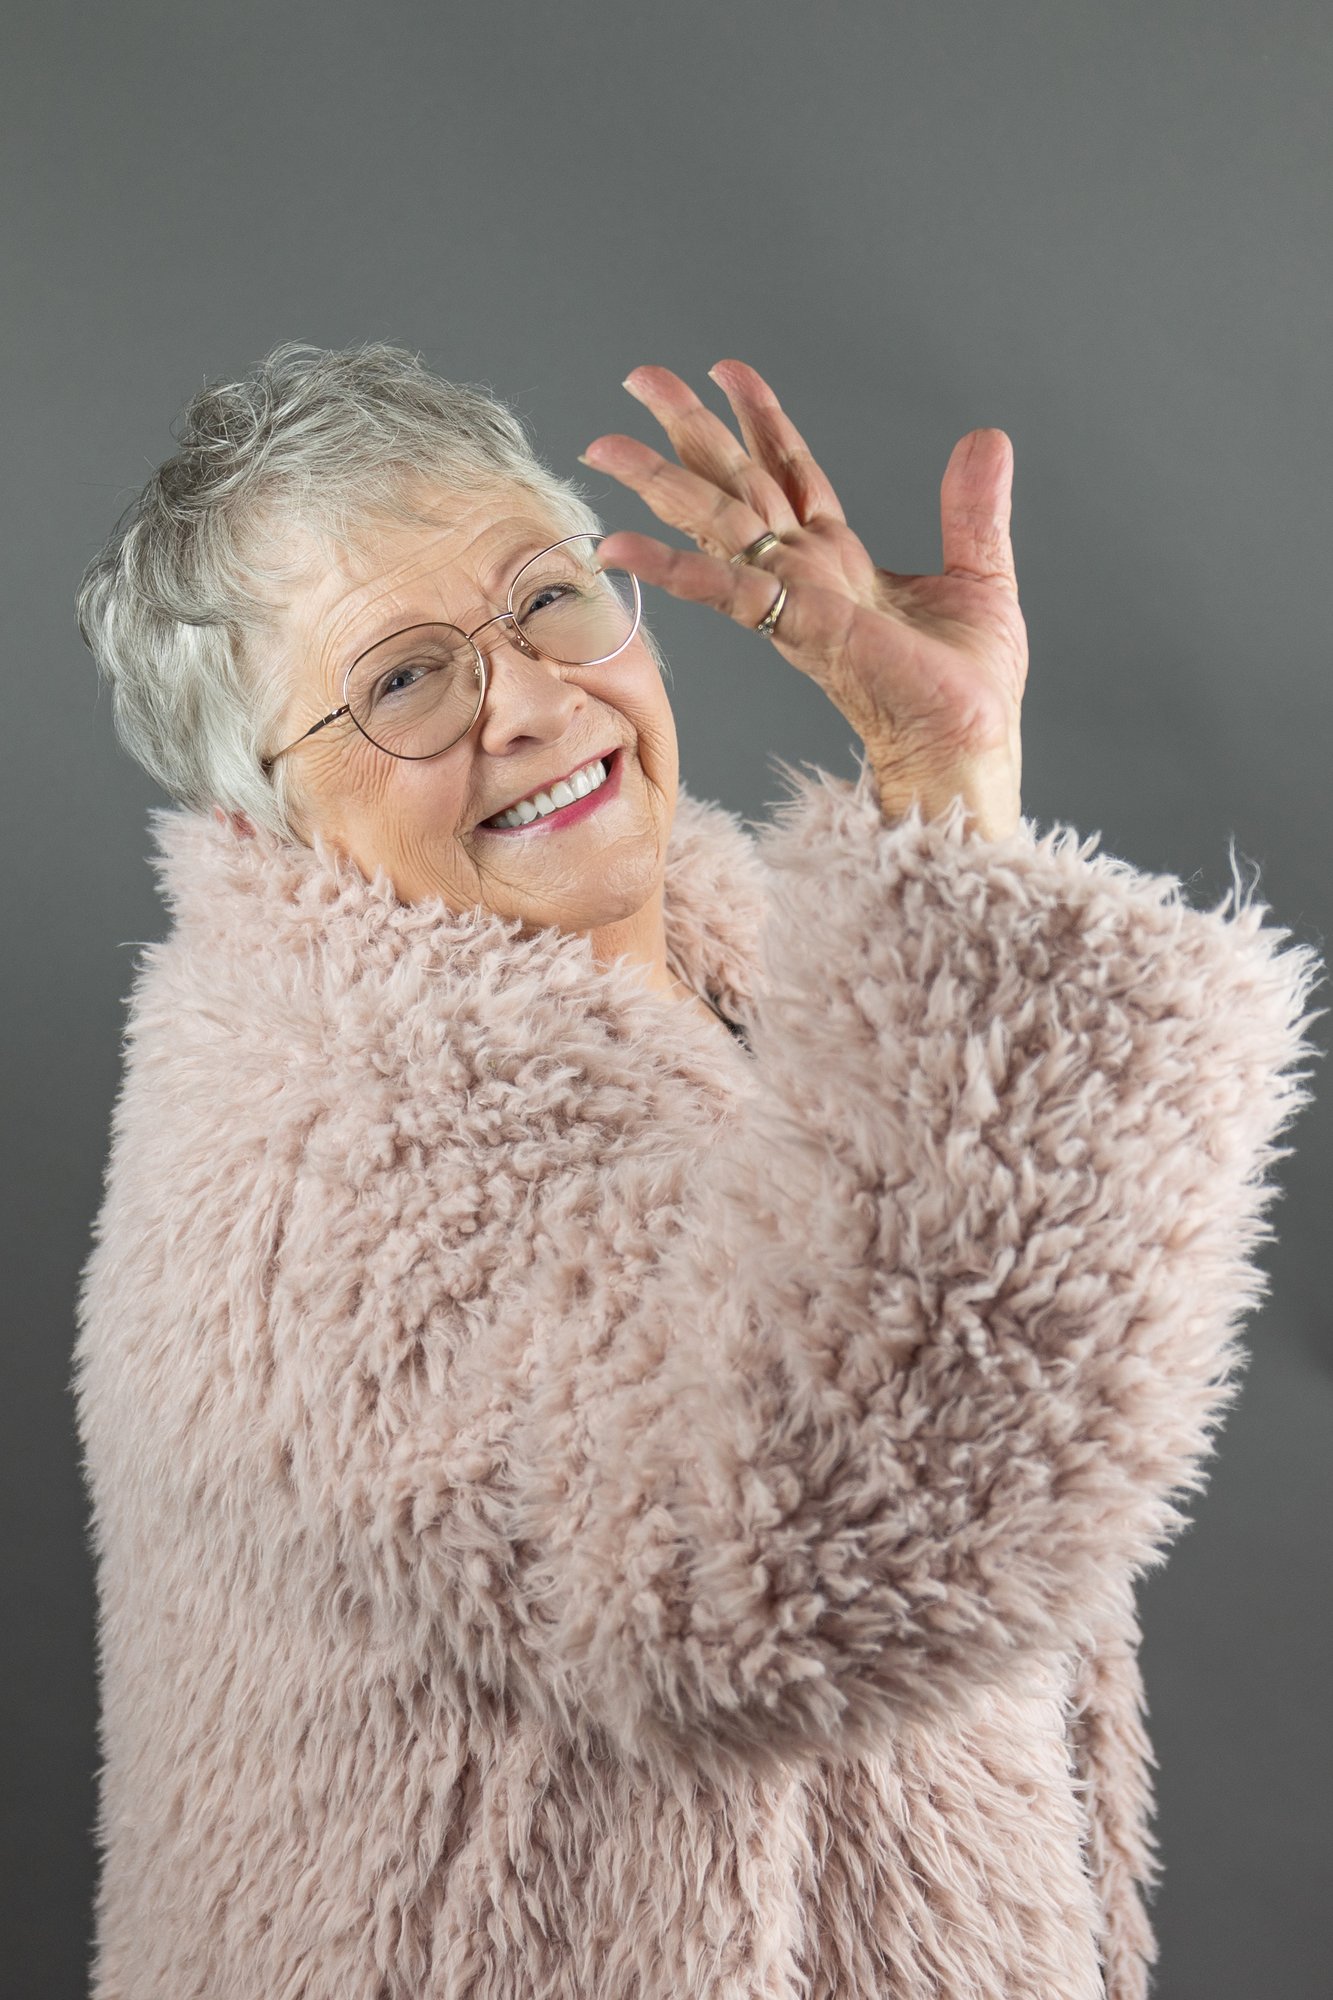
(173, 607)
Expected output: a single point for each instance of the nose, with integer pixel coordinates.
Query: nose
(527, 698)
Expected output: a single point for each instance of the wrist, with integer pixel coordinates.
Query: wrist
(990, 791)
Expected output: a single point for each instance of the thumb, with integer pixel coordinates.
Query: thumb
(975, 505)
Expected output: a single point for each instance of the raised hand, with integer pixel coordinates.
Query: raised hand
(928, 670)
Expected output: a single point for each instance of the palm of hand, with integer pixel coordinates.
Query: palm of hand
(929, 670)
(920, 665)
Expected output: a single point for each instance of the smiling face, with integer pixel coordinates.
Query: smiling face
(597, 868)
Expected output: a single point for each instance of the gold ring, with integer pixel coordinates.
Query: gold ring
(768, 540)
(768, 622)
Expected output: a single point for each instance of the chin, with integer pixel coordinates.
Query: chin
(595, 911)
(610, 893)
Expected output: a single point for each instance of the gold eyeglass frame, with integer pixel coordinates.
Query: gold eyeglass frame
(521, 640)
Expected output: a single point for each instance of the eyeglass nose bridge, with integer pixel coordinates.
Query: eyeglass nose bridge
(518, 635)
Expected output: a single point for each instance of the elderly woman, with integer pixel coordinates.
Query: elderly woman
(629, 1366)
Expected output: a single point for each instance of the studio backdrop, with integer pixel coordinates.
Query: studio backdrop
(1103, 229)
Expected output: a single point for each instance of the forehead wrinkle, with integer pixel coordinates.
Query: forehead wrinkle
(495, 581)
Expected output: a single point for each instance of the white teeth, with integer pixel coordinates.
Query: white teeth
(562, 793)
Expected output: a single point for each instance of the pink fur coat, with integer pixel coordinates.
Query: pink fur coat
(585, 1512)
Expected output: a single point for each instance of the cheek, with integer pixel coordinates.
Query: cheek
(389, 808)
(633, 686)
(425, 799)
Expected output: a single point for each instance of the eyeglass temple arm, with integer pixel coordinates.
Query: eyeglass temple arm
(323, 723)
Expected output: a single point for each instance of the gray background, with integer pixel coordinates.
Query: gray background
(1104, 228)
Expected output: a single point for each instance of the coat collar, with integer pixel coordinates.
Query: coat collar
(254, 918)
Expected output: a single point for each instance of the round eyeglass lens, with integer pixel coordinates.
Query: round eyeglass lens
(571, 610)
(418, 692)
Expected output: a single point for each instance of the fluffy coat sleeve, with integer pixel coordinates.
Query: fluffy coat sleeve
(900, 1380)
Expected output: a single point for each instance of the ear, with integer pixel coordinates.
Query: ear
(239, 822)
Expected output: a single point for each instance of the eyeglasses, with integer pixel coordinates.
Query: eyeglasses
(418, 692)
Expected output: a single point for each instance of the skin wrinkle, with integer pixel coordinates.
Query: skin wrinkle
(418, 819)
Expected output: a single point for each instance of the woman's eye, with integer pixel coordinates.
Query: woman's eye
(393, 683)
(549, 594)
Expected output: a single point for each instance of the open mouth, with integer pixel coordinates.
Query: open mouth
(591, 785)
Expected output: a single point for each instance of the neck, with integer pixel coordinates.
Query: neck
(642, 939)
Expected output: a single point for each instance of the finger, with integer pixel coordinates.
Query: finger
(714, 518)
(814, 622)
(774, 440)
(703, 443)
(975, 505)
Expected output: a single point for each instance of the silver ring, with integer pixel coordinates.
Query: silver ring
(768, 623)
(768, 540)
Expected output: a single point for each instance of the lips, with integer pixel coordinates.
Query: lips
(545, 784)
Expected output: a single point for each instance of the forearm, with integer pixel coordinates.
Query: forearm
(972, 1264)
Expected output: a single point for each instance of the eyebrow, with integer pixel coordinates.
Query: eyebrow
(504, 569)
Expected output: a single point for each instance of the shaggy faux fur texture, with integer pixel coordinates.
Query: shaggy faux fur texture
(583, 1510)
